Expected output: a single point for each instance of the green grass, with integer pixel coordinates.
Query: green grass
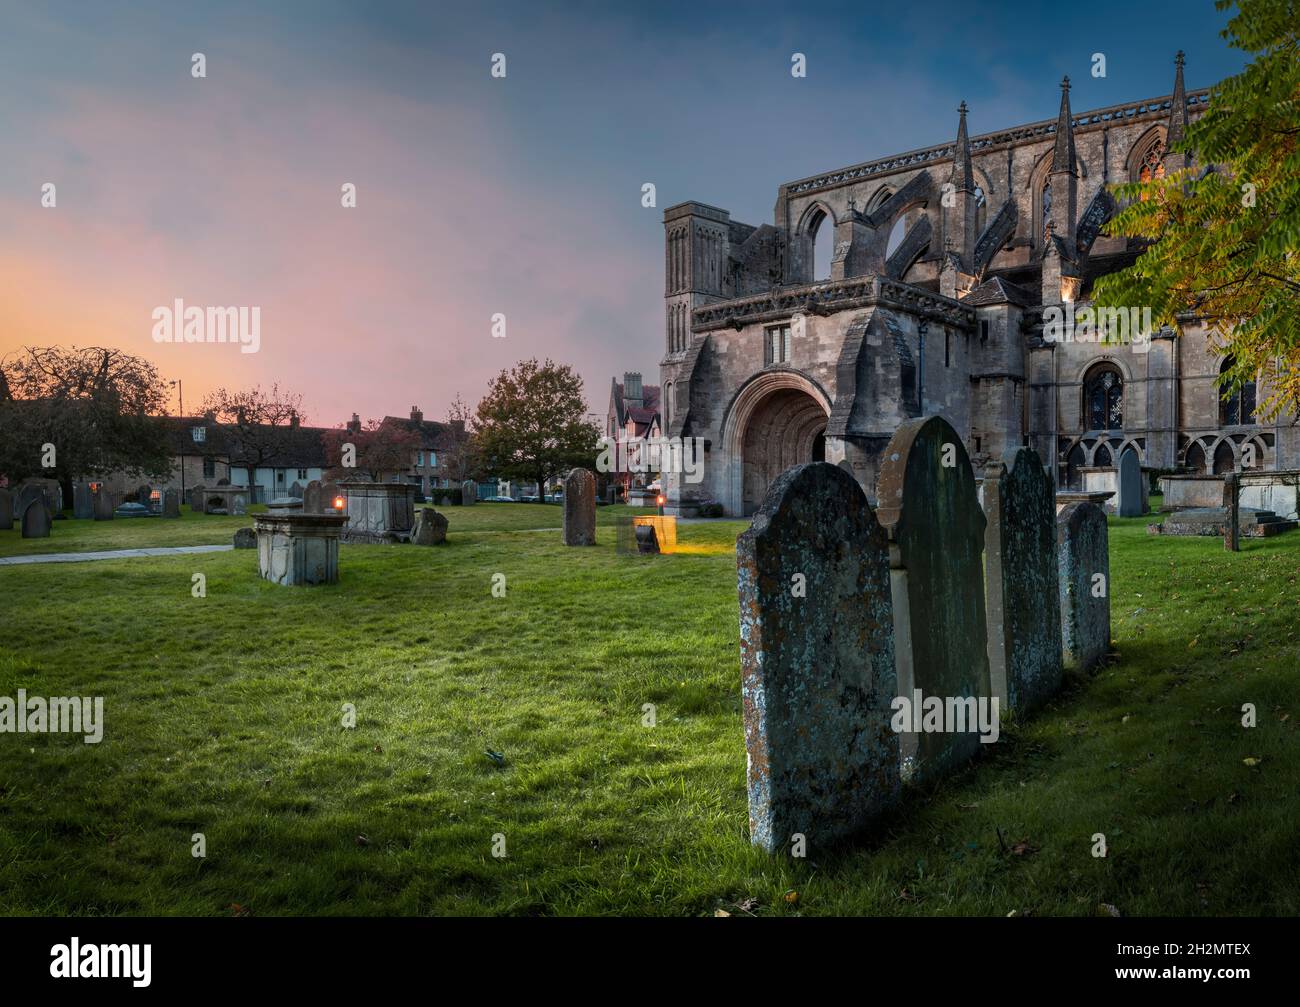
(223, 717)
(217, 529)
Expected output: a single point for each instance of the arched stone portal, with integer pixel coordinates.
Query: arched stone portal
(776, 421)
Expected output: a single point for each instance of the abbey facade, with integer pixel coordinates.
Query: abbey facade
(946, 263)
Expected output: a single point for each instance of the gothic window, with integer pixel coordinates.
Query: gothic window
(1073, 462)
(1103, 399)
(1152, 165)
(1239, 407)
(981, 208)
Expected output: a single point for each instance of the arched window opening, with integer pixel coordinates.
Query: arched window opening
(1195, 459)
(1224, 459)
(1152, 165)
(1073, 462)
(823, 232)
(1046, 203)
(1103, 399)
(1103, 459)
(896, 235)
(981, 209)
(1239, 407)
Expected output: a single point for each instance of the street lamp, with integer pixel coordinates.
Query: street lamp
(180, 396)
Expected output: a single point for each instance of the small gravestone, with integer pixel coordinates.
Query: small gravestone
(1130, 485)
(579, 508)
(171, 503)
(296, 490)
(430, 527)
(245, 538)
(103, 501)
(36, 520)
(6, 510)
(929, 506)
(1021, 577)
(311, 498)
(83, 502)
(468, 492)
(239, 505)
(611, 495)
(647, 542)
(816, 661)
(198, 502)
(1084, 559)
(29, 493)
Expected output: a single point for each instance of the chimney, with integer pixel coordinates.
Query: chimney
(632, 389)
(354, 424)
(416, 415)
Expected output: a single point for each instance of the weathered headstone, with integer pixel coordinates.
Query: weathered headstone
(83, 502)
(469, 492)
(103, 502)
(171, 503)
(1084, 559)
(296, 490)
(430, 527)
(6, 510)
(36, 520)
(929, 507)
(580, 508)
(311, 498)
(29, 493)
(238, 504)
(245, 538)
(816, 660)
(1022, 583)
(198, 502)
(1130, 485)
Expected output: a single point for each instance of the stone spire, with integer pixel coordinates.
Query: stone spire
(1063, 153)
(1176, 160)
(963, 176)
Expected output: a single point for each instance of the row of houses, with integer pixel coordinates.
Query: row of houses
(271, 459)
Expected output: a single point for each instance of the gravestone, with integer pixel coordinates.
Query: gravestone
(311, 498)
(29, 493)
(929, 507)
(430, 527)
(611, 495)
(647, 542)
(579, 508)
(1130, 485)
(103, 502)
(36, 520)
(6, 510)
(1022, 597)
(296, 490)
(238, 505)
(816, 660)
(1084, 559)
(171, 503)
(83, 502)
(469, 492)
(245, 538)
(1232, 505)
(198, 502)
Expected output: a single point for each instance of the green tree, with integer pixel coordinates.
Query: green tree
(99, 407)
(1222, 237)
(532, 424)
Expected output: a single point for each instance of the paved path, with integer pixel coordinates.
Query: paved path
(84, 557)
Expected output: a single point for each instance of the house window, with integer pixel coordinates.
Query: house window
(1103, 399)
(1239, 407)
(199, 434)
(302, 474)
(209, 468)
(419, 458)
(279, 476)
(776, 345)
(433, 460)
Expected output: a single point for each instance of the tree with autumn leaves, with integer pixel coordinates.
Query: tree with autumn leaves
(1222, 237)
(533, 425)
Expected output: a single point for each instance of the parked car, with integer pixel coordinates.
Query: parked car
(498, 499)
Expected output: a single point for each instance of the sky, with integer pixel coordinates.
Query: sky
(475, 195)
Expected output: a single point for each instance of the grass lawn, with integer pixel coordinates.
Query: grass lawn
(223, 717)
(217, 529)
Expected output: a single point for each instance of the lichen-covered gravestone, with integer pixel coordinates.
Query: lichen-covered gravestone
(83, 502)
(430, 527)
(29, 493)
(579, 508)
(1084, 558)
(296, 490)
(6, 510)
(36, 520)
(171, 503)
(929, 507)
(312, 499)
(1130, 485)
(1022, 598)
(198, 500)
(469, 492)
(816, 661)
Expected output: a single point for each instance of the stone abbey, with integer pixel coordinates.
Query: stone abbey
(945, 262)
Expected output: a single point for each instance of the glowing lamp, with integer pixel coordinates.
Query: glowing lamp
(339, 502)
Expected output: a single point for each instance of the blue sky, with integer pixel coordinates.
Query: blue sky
(475, 195)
